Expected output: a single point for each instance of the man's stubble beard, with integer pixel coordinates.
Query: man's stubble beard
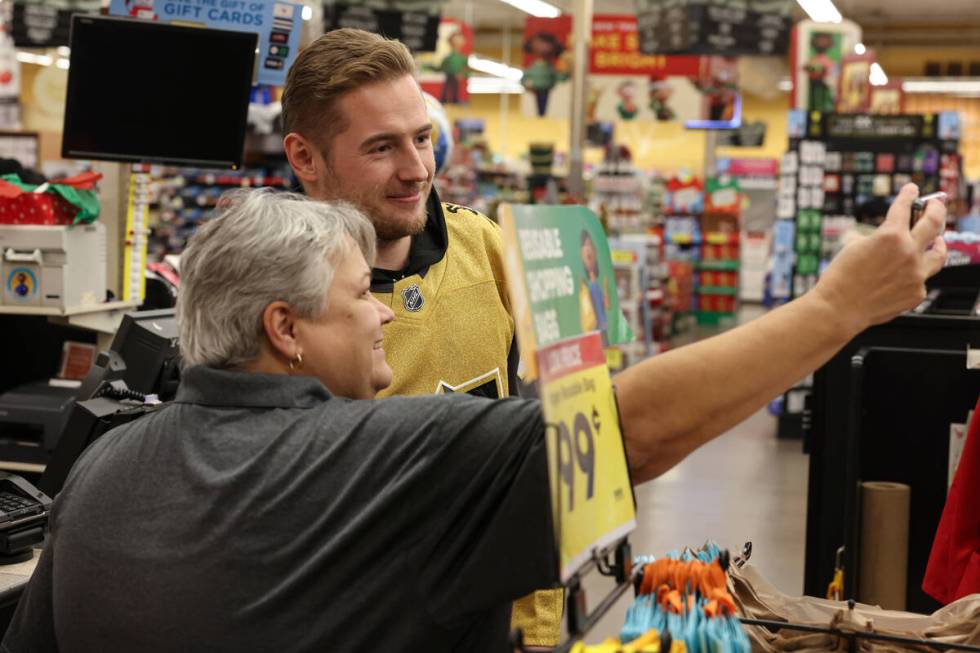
(386, 228)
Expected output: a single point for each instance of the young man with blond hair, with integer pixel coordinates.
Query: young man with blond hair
(356, 129)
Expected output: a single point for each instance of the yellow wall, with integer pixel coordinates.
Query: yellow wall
(663, 146)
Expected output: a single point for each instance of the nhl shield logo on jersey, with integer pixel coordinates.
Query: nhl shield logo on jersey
(412, 297)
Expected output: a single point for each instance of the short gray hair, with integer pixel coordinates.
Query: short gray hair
(262, 247)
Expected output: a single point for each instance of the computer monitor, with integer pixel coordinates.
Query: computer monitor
(150, 92)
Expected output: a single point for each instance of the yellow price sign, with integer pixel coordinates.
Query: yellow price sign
(591, 492)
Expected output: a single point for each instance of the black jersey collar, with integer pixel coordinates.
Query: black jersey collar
(427, 249)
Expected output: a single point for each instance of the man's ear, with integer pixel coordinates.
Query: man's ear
(279, 326)
(304, 158)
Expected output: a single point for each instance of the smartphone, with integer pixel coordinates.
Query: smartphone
(919, 205)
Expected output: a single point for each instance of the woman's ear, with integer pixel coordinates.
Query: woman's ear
(279, 325)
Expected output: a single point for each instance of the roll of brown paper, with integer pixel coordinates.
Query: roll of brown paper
(884, 554)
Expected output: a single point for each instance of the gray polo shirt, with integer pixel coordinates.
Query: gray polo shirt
(257, 512)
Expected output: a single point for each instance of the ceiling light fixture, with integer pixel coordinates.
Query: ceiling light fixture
(489, 85)
(494, 68)
(877, 77)
(30, 57)
(955, 85)
(821, 11)
(536, 8)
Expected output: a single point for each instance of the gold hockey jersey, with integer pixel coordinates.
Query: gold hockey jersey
(453, 332)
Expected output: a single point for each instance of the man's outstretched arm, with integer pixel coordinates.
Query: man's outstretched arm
(675, 402)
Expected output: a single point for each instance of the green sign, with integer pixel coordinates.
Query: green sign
(569, 289)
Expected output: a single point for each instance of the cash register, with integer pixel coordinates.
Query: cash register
(140, 370)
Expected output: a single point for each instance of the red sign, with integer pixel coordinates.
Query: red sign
(753, 167)
(616, 51)
(615, 47)
(570, 356)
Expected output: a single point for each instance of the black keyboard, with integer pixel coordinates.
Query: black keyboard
(14, 506)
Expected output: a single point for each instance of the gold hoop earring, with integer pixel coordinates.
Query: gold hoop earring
(297, 362)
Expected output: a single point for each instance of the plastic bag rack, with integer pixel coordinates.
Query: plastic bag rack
(617, 563)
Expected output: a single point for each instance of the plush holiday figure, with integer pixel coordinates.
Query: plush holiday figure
(543, 74)
(660, 91)
(454, 67)
(627, 108)
(818, 69)
(720, 91)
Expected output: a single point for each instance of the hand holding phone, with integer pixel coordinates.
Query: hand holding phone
(919, 205)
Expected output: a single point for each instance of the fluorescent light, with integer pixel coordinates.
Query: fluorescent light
(535, 8)
(477, 85)
(307, 13)
(859, 48)
(821, 11)
(30, 57)
(940, 85)
(494, 68)
(62, 63)
(785, 84)
(877, 77)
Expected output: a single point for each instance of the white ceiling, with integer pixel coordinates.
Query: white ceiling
(494, 14)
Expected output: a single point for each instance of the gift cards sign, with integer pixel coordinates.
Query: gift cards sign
(277, 23)
(563, 293)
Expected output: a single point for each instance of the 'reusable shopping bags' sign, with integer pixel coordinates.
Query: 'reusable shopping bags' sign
(561, 277)
(277, 23)
(563, 296)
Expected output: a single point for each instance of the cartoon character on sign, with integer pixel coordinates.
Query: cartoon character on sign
(593, 297)
(821, 69)
(543, 74)
(660, 92)
(627, 108)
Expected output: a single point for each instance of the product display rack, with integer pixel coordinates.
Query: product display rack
(842, 167)
(181, 198)
(682, 252)
(718, 272)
